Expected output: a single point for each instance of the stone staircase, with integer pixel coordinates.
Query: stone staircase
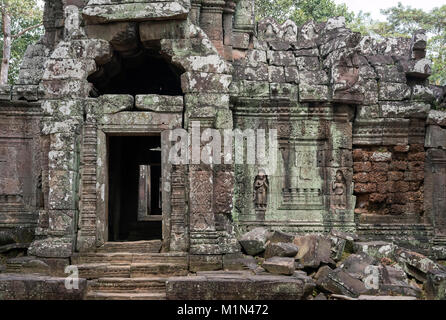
(129, 270)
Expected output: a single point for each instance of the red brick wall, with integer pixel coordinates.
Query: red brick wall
(389, 180)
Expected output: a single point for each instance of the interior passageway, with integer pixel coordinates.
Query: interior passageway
(135, 198)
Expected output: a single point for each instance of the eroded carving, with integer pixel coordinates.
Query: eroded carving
(339, 191)
(261, 186)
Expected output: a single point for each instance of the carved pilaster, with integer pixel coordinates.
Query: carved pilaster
(436, 192)
(244, 16)
(211, 21)
(223, 197)
(178, 237)
(203, 235)
(201, 200)
(228, 14)
(195, 11)
(87, 220)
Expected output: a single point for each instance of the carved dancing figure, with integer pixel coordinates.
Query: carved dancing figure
(339, 194)
(261, 185)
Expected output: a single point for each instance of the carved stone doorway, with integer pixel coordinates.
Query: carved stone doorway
(135, 195)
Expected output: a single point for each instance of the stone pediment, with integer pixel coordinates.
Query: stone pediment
(105, 11)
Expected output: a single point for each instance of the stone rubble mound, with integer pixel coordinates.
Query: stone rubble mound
(341, 266)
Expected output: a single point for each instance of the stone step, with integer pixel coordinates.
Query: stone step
(128, 257)
(159, 269)
(133, 270)
(103, 257)
(125, 296)
(179, 258)
(101, 270)
(238, 285)
(146, 246)
(35, 265)
(13, 268)
(138, 285)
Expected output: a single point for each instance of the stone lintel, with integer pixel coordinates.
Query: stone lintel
(135, 11)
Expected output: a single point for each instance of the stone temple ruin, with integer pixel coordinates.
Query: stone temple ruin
(84, 173)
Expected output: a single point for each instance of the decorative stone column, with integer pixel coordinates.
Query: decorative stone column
(211, 21)
(244, 16)
(53, 21)
(224, 186)
(65, 84)
(63, 177)
(228, 14)
(87, 221)
(437, 160)
(204, 246)
(178, 238)
(435, 181)
(244, 24)
(195, 11)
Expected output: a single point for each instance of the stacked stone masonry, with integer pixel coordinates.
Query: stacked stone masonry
(390, 182)
(361, 135)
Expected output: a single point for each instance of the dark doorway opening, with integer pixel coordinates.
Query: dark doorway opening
(135, 198)
(145, 72)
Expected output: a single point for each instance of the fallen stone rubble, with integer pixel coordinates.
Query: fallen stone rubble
(272, 265)
(341, 266)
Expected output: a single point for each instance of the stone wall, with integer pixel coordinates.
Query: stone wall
(21, 189)
(276, 87)
(436, 176)
(364, 101)
(76, 124)
(389, 181)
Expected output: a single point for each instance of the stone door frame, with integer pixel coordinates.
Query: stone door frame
(122, 129)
